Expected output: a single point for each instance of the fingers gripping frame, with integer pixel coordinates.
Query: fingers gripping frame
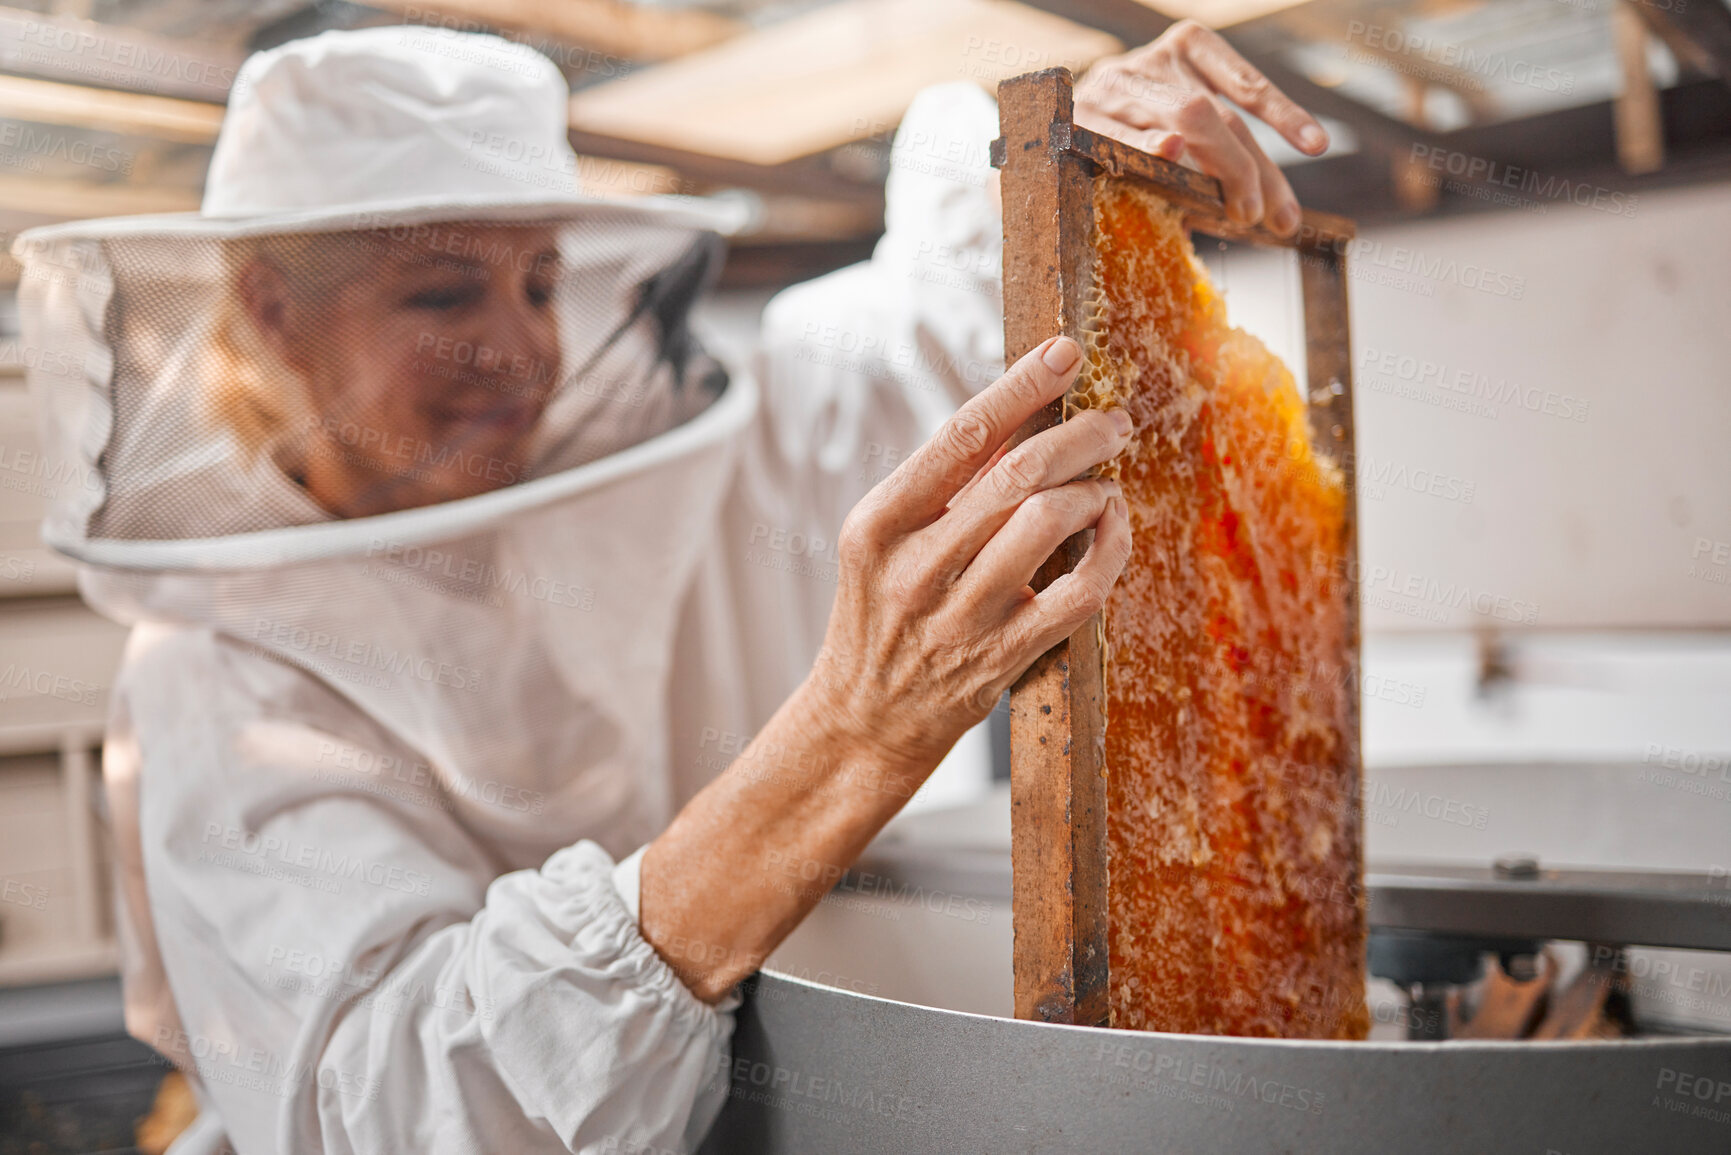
(1057, 709)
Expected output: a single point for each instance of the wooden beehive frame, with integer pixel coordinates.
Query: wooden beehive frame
(1057, 724)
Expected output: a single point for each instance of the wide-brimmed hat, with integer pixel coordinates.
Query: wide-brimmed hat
(395, 125)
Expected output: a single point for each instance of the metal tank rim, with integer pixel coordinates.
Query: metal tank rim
(820, 1068)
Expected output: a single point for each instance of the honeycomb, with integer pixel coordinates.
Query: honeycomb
(1235, 857)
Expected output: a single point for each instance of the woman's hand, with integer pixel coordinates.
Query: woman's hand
(1165, 98)
(934, 616)
(933, 620)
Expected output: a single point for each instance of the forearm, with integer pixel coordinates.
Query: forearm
(933, 619)
(748, 858)
(551, 962)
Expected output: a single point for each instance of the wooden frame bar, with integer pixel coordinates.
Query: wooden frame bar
(1057, 722)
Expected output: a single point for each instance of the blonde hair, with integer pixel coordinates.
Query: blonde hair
(252, 392)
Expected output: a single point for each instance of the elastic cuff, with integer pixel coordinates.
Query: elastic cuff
(628, 879)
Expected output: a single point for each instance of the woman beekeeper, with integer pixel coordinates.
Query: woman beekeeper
(457, 569)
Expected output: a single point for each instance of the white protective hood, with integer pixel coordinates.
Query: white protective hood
(519, 637)
(565, 658)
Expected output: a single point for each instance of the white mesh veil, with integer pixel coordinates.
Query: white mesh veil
(459, 471)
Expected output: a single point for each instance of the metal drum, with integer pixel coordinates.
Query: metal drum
(882, 1026)
(821, 1069)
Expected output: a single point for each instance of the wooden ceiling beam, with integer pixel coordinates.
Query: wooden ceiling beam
(197, 122)
(1311, 22)
(1375, 131)
(1705, 26)
(841, 73)
(1218, 14)
(1640, 132)
(1565, 152)
(131, 113)
(630, 31)
(47, 47)
(72, 199)
(810, 176)
(1135, 23)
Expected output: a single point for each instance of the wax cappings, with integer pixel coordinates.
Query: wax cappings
(1235, 848)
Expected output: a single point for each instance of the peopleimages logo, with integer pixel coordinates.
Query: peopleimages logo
(1377, 584)
(1393, 43)
(1471, 384)
(1145, 1067)
(404, 455)
(37, 145)
(1526, 181)
(1690, 1093)
(365, 654)
(124, 55)
(243, 845)
(24, 894)
(909, 362)
(1413, 268)
(457, 572)
(17, 681)
(50, 361)
(1442, 595)
(222, 1060)
(369, 770)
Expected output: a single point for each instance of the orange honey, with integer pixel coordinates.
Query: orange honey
(1236, 869)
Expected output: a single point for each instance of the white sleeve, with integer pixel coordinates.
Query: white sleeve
(628, 879)
(572, 1034)
(354, 975)
(858, 369)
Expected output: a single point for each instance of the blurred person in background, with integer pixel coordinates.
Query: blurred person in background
(481, 664)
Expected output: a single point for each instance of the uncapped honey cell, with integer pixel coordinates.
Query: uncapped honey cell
(1236, 903)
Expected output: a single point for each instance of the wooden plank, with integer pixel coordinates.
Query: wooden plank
(1413, 187)
(633, 31)
(810, 176)
(1327, 351)
(48, 47)
(1328, 375)
(1509, 1008)
(1375, 131)
(1325, 26)
(1057, 723)
(1135, 23)
(75, 105)
(1699, 33)
(80, 818)
(1596, 1004)
(72, 199)
(1572, 147)
(1221, 13)
(1199, 195)
(1640, 131)
(844, 72)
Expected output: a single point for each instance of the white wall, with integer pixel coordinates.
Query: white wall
(1593, 522)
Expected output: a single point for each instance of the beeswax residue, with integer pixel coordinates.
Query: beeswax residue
(1236, 865)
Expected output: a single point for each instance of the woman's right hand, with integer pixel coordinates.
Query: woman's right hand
(1170, 98)
(934, 616)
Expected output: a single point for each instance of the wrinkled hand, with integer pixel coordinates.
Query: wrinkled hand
(1165, 98)
(934, 616)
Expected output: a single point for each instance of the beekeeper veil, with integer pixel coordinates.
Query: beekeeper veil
(402, 407)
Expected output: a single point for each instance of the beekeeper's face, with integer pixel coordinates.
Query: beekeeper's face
(428, 363)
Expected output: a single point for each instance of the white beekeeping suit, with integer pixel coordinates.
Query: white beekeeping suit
(376, 780)
(861, 366)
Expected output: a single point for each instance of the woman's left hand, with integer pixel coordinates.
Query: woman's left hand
(934, 618)
(1169, 98)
